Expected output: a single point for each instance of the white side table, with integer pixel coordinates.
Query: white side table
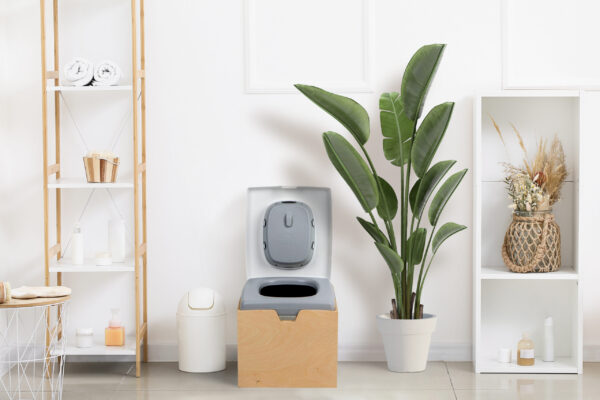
(32, 348)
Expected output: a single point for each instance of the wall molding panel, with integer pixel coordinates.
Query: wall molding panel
(548, 44)
(287, 43)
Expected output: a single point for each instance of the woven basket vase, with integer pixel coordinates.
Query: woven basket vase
(532, 243)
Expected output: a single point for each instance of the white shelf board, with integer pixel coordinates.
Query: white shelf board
(90, 266)
(118, 88)
(81, 183)
(98, 348)
(502, 272)
(562, 365)
(529, 93)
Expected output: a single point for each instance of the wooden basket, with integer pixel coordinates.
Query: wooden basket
(101, 170)
(532, 243)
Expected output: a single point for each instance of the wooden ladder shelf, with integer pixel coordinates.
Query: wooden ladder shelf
(51, 90)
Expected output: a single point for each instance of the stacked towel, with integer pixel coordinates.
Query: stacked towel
(107, 73)
(78, 72)
(31, 292)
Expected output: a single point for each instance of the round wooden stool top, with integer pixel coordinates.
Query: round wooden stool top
(37, 302)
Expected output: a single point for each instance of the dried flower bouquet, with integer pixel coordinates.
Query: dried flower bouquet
(536, 185)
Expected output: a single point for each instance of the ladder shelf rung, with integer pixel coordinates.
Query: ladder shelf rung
(53, 169)
(143, 328)
(54, 250)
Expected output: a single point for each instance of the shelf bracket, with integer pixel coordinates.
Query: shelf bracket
(141, 74)
(53, 169)
(141, 250)
(52, 75)
(53, 251)
(141, 168)
(143, 328)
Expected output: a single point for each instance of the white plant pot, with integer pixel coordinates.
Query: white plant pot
(406, 341)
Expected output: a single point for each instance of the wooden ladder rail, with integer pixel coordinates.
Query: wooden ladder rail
(143, 172)
(139, 143)
(54, 251)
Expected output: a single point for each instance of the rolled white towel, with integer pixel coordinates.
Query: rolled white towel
(78, 72)
(106, 73)
(31, 292)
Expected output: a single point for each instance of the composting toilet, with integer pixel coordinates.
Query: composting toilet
(287, 317)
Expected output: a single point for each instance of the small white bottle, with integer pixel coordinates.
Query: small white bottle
(77, 246)
(116, 240)
(548, 339)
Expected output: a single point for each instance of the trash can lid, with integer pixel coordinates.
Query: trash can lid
(201, 301)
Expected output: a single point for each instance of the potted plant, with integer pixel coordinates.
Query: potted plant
(411, 146)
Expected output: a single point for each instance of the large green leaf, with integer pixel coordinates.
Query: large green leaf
(416, 245)
(412, 196)
(352, 168)
(447, 230)
(428, 185)
(393, 260)
(372, 230)
(443, 195)
(429, 136)
(388, 202)
(396, 128)
(417, 78)
(347, 111)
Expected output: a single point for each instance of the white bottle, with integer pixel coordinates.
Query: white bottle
(548, 339)
(116, 240)
(77, 246)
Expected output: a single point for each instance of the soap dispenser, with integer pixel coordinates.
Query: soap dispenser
(525, 351)
(114, 335)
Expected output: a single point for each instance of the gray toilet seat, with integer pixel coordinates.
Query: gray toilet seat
(273, 293)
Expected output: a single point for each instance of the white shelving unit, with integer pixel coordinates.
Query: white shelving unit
(89, 265)
(505, 303)
(501, 272)
(58, 88)
(99, 349)
(81, 183)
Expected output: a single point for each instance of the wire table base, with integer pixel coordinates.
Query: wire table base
(32, 351)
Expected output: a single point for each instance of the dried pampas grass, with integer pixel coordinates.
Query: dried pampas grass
(547, 169)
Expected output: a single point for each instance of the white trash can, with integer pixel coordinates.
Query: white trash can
(201, 331)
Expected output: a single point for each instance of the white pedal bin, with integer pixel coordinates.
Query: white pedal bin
(201, 331)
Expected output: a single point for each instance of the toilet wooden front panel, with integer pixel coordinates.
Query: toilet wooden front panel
(275, 353)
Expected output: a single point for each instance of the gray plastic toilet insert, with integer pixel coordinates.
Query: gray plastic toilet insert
(292, 273)
(287, 296)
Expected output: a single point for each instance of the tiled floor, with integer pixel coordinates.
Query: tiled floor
(441, 381)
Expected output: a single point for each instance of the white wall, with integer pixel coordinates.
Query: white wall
(208, 140)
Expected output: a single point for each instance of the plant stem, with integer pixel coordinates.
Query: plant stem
(408, 276)
(398, 293)
(389, 227)
(421, 278)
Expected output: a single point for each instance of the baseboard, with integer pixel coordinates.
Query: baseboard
(591, 353)
(167, 352)
(439, 352)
